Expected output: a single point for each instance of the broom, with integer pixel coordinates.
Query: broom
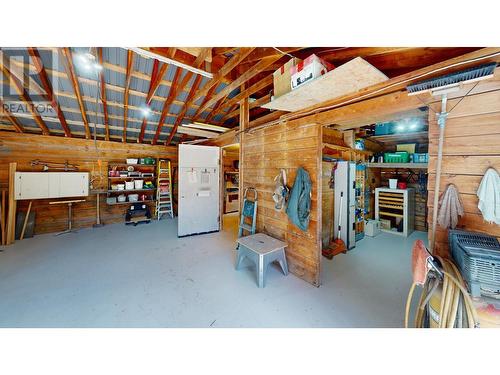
(442, 86)
(337, 246)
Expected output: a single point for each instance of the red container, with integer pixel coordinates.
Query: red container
(402, 185)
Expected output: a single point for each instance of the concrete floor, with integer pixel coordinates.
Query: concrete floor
(144, 276)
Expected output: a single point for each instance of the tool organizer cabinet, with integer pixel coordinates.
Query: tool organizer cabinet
(396, 203)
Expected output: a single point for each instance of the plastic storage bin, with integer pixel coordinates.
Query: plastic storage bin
(421, 158)
(372, 228)
(384, 128)
(396, 157)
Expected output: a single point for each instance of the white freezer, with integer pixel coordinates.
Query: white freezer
(198, 190)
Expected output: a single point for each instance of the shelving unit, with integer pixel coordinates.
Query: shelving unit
(396, 204)
(231, 192)
(149, 193)
(398, 165)
(360, 202)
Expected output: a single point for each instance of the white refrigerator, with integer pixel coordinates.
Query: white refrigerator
(345, 187)
(198, 210)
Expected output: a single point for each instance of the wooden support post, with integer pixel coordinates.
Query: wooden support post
(11, 217)
(2, 213)
(26, 220)
(244, 120)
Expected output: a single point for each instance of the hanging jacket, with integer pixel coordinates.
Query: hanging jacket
(489, 196)
(299, 203)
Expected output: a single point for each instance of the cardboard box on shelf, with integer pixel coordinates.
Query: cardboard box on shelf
(385, 224)
(308, 70)
(282, 78)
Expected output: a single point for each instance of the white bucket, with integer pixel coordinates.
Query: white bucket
(393, 183)
(129, 185)
(139, 184)
(133, 197)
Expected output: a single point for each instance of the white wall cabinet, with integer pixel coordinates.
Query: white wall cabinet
(44, 185)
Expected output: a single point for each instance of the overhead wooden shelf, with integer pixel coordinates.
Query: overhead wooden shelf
(398, 165)
(419, 137)
(347, 78)
(342, 148)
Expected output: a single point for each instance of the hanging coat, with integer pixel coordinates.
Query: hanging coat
(299, 203)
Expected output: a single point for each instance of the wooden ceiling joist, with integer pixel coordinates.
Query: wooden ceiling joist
(207, 97)
(128, 77)
(224, 71)
(154, 78)
(67, 58)
(103, 96)
(234, 111)
(258, 86)
(18, 86)
(254, 70)
(183, 112)
(155, 81)
(47, 86)
(166, 105)
(175, 89)
(216, 108)
(5, 112)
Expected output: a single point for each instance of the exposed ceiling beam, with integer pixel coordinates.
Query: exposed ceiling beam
(166, 105)
(154, 78)
(216, 108)
(110, 87)
(207, 97)
(224, 71)
(256, 69)
(47, 86)
(103, 96)
(258, 86)
(18, 86)
(216, 51)
(5, 112)
(79, 124)
(265, 52)
(176, 88)
(233, 112)
(130, 61)
(70, 72)
(154, 84)
(181, 115)
(153, 55)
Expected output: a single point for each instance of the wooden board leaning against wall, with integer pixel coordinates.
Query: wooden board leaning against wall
(471, 146)
(23, 148)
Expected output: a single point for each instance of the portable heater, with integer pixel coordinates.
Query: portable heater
(477, 255)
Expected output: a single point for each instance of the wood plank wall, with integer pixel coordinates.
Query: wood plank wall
(22, 148)
(471, 146)
(289, 145)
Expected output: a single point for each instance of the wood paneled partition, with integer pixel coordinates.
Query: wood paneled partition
(289, 146)
(471, 146)
(23, 148)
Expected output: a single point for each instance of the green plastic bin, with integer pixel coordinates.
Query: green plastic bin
(396, 157)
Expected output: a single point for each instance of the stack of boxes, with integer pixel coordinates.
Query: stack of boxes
(296, 72)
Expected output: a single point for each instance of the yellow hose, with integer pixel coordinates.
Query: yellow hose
(452, 290)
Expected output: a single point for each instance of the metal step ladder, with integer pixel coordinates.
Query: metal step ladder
(250, 212)
(164, 202)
